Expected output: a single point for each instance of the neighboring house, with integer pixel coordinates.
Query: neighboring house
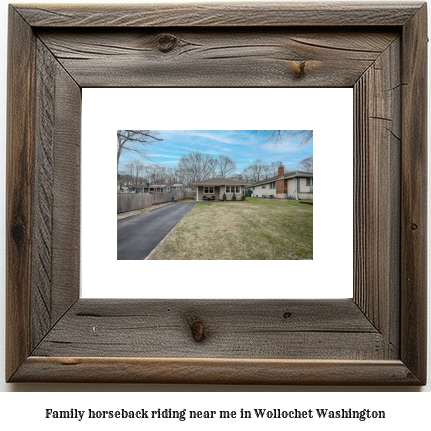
(122, 188)
(155, 188)
(214, 188)
(139, 188)
(170, 187)
(133, 188)
(145, 188)
(295, 185)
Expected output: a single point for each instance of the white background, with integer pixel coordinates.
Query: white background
(407, 410)
(329, 112)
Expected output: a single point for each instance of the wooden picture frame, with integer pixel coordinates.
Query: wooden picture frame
(378, 337)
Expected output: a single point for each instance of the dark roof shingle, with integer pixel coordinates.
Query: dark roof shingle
(287, 175)
(220, 182)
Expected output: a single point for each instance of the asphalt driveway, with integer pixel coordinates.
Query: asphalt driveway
(138, 235)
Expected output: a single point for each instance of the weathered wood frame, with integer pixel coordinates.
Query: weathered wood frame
(379, 337)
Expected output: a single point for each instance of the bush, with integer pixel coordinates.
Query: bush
(243, 197)
(234, 197)
(224, 197)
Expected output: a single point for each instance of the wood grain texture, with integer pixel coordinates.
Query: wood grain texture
(235, 329)
(216, 58)
(377, 149)
(19, 201)
(43, 194)
(414, 195)
(67, 199)
(220, 15)
(366, 341)
(215, 371)
(55, 267)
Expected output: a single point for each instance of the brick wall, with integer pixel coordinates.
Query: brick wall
(281, 185)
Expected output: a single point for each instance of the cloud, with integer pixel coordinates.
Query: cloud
(219, 136)
(169, 162)
(243, 146)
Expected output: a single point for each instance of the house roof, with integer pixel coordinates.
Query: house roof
(220, 182)
(265, 181)
(301, 174)
(173, 185)
(286, 176)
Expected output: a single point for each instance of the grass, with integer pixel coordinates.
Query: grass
(259, 228)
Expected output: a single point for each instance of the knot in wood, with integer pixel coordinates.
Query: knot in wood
(414, 226)
(300, 69)
(18, 233)
(167, 42)
(197, 328)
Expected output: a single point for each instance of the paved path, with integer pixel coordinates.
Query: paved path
(138, 235)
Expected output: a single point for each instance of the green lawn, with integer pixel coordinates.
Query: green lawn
(265, 229)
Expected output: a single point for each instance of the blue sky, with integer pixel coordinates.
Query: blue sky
(240, 145)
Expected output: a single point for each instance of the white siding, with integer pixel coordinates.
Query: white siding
(263, 189)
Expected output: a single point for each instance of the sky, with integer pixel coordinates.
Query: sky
(242, 146)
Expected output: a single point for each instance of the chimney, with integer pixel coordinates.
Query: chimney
(280, 184)
(281, 171)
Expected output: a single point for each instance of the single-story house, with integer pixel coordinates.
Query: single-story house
(170, 187)
(125, 188)
(294, 185)
(138, 188)
(214, 188)
(134, 188)
(154, 188)
(145, 188)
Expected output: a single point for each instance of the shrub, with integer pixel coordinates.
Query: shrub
(234, 197)
(224, 197)
(243, 197)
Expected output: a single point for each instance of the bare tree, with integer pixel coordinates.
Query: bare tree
(133, 140)
(196, 166)
(238, 177)
(225, 166)
(277, 136)
(139, 170)
(306, 164)
(162, 175)
(128, 170)
(272, 170)
(256, 171)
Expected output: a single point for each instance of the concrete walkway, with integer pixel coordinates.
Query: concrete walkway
(138, 235)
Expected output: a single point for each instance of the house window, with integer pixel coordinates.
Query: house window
(253, 187)
(209, 190)
(309, 182)
(233, 189)
(264, 186)
(272, 186)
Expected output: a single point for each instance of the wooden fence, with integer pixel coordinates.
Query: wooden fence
(132, 202)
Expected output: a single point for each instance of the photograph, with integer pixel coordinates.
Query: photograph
(215, 194)
(233, 86)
